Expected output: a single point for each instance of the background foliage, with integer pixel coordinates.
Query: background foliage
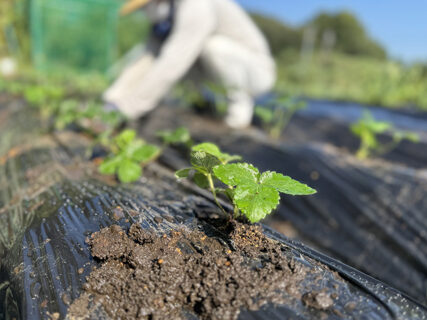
(14, 27)
(339, 61)
(353, 67)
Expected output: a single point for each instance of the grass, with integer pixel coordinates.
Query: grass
(353, 78)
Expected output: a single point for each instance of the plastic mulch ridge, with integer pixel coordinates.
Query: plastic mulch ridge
(52, 200)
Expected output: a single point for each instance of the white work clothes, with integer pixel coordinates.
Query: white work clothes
(216, 33)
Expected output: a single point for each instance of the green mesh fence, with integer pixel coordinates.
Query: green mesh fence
(75, 34)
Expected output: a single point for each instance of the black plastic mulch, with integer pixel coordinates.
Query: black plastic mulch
(372, 214)
(51, 200)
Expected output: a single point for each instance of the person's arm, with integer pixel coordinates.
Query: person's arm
(133, 72)
(194, 22)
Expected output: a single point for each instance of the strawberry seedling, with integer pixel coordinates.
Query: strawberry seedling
(128, 156)
(252, 194)
(44, 97)
(219, 95)
(87, 114)
(67, 113)
(276, 115)
(207, 96)
(367, 130)
(188, 94)
(180, 136)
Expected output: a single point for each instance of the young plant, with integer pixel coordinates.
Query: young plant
(67, 113)
(207, 97)
(128, 155)
(87, 114)
(180, 136)
(46, 98)
(276, 115)
(367, 130)
(252, 194)
(188, 94)
(218, 94)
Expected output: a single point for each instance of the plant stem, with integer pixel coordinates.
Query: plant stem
(212, 187)
(235, 208)
(236, 212)
(363, 152)
(386, 148)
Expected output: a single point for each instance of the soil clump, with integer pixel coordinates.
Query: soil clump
(144, 275)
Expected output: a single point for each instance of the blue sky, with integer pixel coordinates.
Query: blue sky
(400, 26)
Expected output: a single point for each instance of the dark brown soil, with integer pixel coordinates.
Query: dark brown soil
(146, 276)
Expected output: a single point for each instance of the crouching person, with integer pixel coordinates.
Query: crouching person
(215, 35)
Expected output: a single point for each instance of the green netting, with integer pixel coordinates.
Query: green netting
(76, 34)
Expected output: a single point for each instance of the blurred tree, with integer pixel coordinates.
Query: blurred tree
(351, 37)
(348, 34)
(279, 35)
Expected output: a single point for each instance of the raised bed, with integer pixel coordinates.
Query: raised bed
(371, 215)
(53, 200)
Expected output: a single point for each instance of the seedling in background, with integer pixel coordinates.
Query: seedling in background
(276, 115)
(180, 136)
(188, 95)
(203, 96)
(46, 98)
(67, 114)
(219, 97)
(252, 194)
(87, 114)
(367, 130)
(91, 118)
(129, 155)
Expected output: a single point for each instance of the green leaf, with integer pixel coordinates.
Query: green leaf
(216, 89)
(256, 201)
(285, 184)
(129, 171)
(236, 173)
(104, 138)
(201, 180)
(284, 100)
(215, 151)
(145, 153)
(183, 173)
(412, 136)
(266, 115)
(368, 122)
(92, 110)
(179, 136)
(379, 127)
(109, 166)
(257, 195)
(111, 118)
(367, 129)
(125, 138)
(130, 148)
(203, 162)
